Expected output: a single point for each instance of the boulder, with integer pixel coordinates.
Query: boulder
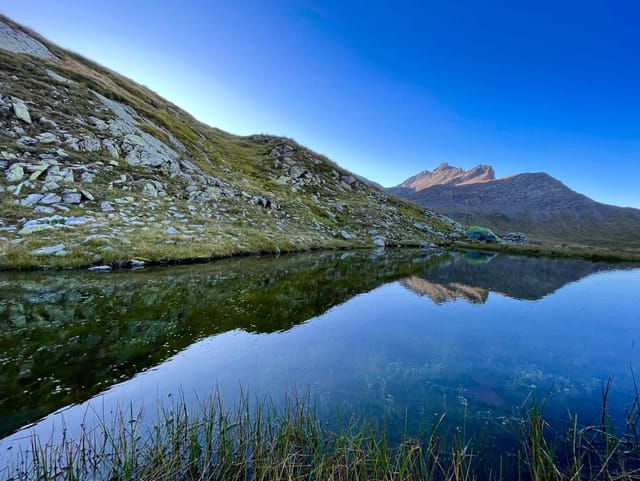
(56, 249)
(106, 206)
(72, 198)
(31, 199)
(31, 229)
(379, 241)
(20, 42)
(100, 268)
(76, 220)
(515, 238)
(43, 209)
(47, 138)
(20, 110)
(481, 234)
(15, 173)
(50, 199)
(48, 123)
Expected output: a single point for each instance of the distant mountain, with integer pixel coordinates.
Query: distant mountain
(444, 174)
(535, 203)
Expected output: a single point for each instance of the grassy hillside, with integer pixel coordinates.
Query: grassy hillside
(101, 170)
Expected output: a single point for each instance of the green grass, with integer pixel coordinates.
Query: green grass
(555, 251)
(259, 441)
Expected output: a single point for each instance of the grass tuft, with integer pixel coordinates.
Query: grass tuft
(256, 440)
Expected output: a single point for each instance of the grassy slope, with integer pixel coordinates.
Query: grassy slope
(312, 216)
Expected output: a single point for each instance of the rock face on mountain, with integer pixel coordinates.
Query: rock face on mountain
(444, 174)
(95, 168)
(534, 203)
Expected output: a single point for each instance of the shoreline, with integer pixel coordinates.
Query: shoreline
(595, 254)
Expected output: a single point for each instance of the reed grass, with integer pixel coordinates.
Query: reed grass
(258, 440)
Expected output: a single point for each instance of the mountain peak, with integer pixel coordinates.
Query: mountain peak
(445, 174)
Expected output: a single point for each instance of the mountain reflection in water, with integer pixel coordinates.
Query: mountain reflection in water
(68, 336)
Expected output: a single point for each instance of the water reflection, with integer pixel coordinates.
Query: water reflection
(471, 276)
(67, 336)
(335, 324)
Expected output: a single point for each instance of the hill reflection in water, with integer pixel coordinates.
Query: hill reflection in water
(361, 339)
(472, 276)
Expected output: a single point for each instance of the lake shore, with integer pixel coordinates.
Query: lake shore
(17, 260)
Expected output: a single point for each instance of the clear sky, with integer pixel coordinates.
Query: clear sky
(388, 89)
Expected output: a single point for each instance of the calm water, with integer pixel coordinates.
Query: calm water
(399, 337)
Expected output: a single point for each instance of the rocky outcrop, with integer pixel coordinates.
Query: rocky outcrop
(15, 40)
(444, 174)
(80, 142)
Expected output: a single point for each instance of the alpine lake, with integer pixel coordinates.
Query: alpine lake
(406, 339)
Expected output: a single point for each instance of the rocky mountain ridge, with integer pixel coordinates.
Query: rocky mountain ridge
(96, 169)
(534, 203)
(444, 174)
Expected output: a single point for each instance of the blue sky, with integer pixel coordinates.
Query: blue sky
(388, 89)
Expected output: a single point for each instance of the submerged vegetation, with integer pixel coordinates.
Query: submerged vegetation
(261, 441)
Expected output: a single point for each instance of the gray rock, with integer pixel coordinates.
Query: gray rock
(37, 171)
(100, 269)
(88, 177)
(50, 199)
(31, 199)
(58, 77)
(43, 209)
(346, 235)
(99, 123)
(59, 175)
(348, 179)
(379, 241)
(423, 227)
(136, 263)
(106, 206)
(110, 146)
(48, 123)
(26, 230)
(150, 190)
(87, 195)
(47, 138)
(56, 249)
(171, 230)
(15, 173)
(20, 109)
(515, 238)
(19, 42)
(49, 186)
(72, 198)
(72, 142)
(7, 155)
(76, 220)
(89, 143)
(27, 141)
